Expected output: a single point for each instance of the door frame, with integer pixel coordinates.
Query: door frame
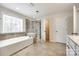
(47, 31)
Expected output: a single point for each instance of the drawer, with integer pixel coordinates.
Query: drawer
(77, 50)
(70, 51)
(72, 44)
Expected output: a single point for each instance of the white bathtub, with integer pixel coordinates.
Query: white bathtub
(10, 46)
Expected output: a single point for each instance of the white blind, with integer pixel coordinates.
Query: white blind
(12, 24)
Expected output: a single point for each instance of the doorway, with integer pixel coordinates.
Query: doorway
(47, 36)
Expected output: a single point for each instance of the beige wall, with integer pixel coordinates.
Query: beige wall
(61, 22)
(78, 22)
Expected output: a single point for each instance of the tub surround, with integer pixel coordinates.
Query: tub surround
(5, 36)
(7, 42)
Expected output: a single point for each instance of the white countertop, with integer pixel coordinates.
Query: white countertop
(75, 38)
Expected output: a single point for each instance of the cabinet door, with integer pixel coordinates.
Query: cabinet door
(67, 46)
(60, 29)
(72, 44)
(71, 48)
(69, 51)
(77, 50)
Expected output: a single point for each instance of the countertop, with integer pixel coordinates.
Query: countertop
(75, 38)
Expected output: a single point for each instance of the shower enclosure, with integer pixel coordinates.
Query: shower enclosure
(34, 26)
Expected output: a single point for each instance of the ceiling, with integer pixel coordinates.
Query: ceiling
(29, 9)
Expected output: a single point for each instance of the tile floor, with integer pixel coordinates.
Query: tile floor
(44, 49)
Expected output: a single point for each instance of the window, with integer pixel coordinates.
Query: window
(12, 24)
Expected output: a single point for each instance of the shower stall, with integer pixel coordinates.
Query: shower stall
(34, 27)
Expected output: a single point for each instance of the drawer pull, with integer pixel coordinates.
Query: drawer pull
(68, 47)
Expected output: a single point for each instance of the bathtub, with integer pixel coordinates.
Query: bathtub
(10, 46)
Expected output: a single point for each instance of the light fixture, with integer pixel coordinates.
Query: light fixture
(37, 18)
(17, 8)
(32, 4)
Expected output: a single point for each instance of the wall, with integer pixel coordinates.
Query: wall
(0, 21)
(11, 35)
(4, 10)
(78, 22)
(60, 25)
(43, 29)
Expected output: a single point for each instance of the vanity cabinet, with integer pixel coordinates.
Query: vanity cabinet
(0, 25)
(77, 50)
(1, 22)
(72, 49)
